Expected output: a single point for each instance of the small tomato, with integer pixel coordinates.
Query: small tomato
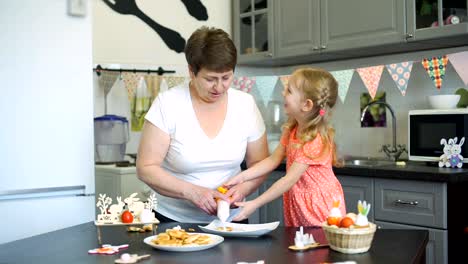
(127, 217)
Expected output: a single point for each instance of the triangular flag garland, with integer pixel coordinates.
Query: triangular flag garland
(107, 80)
(344, 79)
(435, 67)
(173, 81)
(265, 85)
(284, 80)
(400, 73)
(243, 83)
(131, 83)
(371, 77)
(459, 62)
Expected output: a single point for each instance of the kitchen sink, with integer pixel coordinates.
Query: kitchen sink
(368, 162)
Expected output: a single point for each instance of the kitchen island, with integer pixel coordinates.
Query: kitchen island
(71, 245)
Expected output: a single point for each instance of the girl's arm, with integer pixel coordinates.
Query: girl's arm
(276, 190)
(261, 168)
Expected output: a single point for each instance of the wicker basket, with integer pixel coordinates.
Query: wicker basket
(349, 240)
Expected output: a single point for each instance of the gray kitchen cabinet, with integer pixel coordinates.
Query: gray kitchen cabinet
(429, 19)
(272, 211)
(355, 189)
(336, 25)
(437, 247)
(304, 31)
(253, 32)
(414, 205)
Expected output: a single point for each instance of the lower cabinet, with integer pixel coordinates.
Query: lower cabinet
(404, 204)
(437, 247)
(272, 211)
(357, 189)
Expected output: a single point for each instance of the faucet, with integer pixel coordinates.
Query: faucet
(394, 151)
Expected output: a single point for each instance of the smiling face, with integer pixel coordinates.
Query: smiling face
(210, 86)
(293, 100)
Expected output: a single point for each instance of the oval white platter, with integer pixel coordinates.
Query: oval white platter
(240, 230)
(216, 240)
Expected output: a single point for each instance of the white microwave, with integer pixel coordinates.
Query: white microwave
(426, 128)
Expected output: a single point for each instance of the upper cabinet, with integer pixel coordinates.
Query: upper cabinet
(253, 29)
(428, 19)
(302, 31)
(313, 26)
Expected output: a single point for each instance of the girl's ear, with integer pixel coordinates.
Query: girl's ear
(308, 105)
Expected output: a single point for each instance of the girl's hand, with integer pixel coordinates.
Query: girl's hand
(236, 194)
(205, 199)
(238, 179)
(247, 209)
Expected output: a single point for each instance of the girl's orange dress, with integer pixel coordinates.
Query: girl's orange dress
(310, 200)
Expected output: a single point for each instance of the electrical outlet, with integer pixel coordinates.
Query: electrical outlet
(77, 7)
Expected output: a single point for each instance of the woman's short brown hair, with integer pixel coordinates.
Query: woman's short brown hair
(210, 48)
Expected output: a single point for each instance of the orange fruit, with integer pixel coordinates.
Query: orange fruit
(346, 222)
(331, 220)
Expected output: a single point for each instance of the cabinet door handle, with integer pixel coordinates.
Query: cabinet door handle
(315, 48)
(409, 35)
(414, 203)
(269, 55)
(323, 47)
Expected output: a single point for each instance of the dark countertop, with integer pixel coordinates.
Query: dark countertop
(71, 245)
(411, 171)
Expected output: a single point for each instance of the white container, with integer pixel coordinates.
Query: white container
(223, 210)
(110, 138)
(444, 101)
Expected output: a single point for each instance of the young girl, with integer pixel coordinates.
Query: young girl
(309, 186)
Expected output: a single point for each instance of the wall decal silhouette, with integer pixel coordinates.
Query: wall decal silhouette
(170, 37)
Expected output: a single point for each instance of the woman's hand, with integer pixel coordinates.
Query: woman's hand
(205, 199)
(247, 209)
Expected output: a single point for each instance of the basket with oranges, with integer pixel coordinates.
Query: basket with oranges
(349, 234)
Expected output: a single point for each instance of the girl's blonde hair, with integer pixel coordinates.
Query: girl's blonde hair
(321, 87)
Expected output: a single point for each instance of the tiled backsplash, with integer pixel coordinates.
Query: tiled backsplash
(350, 137)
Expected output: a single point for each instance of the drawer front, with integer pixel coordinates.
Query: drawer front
(437, 247)
(411, 202)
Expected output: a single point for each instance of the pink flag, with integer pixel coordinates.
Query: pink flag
(371, 77)
(243, 83)
(459, 62)
(284, 80)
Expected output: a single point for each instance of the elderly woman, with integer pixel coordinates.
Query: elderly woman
(196, 136)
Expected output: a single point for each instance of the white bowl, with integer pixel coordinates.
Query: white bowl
(445, 101)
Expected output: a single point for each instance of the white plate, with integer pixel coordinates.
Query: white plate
(216, 241)
(240, 230)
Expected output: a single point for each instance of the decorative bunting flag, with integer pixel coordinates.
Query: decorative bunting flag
(265, 86)
(140, 105)
(153, 82)
(131, 82)
(435, 67)
(107, 80)
(173, 81)
(243, 83)
(344, 79)
(284, 80)
(459, 62)
(371, 78)
(400, 73)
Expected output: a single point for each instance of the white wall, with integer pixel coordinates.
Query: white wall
(47, 109)
(126, 42)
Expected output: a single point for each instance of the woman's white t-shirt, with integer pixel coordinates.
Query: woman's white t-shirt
(192, 155)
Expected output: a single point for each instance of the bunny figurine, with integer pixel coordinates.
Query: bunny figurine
(456, 159)
(135, 206)
(444, 158)
(363, 209)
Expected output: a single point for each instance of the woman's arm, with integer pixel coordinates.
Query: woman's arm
(152, 150)
(276, 190)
